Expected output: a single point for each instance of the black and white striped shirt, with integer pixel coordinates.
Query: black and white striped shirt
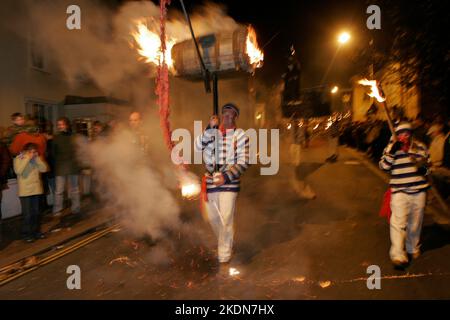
(404, 175)
(232, 157)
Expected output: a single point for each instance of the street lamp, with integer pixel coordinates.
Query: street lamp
(344, 37)
(334, 90)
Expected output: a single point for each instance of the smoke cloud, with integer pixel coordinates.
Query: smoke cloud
(103, 51)
(140, 187)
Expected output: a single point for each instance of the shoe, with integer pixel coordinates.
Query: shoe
(399, 264)
(415, 256)
(29, 239)
(39, 235)
(57, 214)
(224, 269)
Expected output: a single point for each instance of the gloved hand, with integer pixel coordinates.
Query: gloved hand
(395, 147)
(422, 171)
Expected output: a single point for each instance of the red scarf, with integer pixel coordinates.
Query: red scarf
(385, 210)
(224, 131)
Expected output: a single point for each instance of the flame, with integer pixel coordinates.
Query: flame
(374, 93)
(255, 55)
(149, 45)
(190, 190)
(233, 272)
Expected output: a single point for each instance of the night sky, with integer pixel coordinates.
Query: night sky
(311, 26)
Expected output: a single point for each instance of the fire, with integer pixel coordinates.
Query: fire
(190, 190)
(255, 55)
(149, 45)
(374, 93)
(233, 272)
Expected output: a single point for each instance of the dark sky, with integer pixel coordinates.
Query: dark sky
(311, 26)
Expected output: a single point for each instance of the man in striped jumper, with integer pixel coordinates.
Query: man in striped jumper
(406, 160)
(225, 160)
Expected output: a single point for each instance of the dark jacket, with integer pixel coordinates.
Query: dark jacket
(65, 157)
(5, 164)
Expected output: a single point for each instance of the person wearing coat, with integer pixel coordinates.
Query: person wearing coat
(5, 164)
(66, 167)
(29, 166)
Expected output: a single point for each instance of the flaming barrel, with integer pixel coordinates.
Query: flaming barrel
(223, 53)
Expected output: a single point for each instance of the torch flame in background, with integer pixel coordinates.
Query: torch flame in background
(255, 55)
(374, 93)
(149, 45)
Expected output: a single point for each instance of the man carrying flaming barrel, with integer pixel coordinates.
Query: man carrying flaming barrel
(226, 158)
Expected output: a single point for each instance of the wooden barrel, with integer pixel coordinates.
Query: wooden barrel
(223, 53)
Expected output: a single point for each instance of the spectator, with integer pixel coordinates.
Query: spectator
(18, 125)
(49, 177)
(5, 163)
(29, 134)
(446, 160)
(66, 167)
(28, 166)
(100, 130)
(437, 144)
(420, 130)
(140, 138)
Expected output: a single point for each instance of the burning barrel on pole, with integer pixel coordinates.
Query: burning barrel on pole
(223, 54)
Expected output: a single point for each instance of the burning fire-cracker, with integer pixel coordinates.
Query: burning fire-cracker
(325, 284)
(125, 260)
(299, 279)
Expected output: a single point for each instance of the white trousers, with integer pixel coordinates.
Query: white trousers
(295, 153)
(333, 143)
(220, 209)
(406, 224)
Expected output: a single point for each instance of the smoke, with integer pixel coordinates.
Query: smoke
(210, 18)
(103, 50)
(139, 186)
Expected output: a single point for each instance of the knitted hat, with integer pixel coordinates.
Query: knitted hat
(230, 106)
(403, 127)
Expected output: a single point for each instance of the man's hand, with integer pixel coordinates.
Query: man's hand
(31, 154)
(395, 147)
(214, 121)
(218, 179)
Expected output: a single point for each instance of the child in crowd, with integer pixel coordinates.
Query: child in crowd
(28, 166)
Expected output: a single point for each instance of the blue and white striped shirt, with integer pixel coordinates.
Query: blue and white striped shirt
(232, 157)
(404, 175)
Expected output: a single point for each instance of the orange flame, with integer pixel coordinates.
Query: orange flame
(374, 93)
(149, 45)
(255, 55)
(190, 190)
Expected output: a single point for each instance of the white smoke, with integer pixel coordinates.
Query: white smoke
(103, 50)
(141, 188)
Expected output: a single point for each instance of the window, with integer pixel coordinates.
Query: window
(37, 56)
(42, 112)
